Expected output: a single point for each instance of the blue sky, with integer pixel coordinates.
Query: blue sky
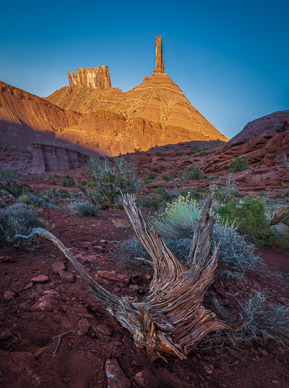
(231, 59)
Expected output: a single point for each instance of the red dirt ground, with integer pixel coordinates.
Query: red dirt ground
(40, 311)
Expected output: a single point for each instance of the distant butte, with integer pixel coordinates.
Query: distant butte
(91, 114)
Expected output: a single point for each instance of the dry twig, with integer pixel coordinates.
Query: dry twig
(58, 342)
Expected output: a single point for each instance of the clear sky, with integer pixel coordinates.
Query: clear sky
(230, 58)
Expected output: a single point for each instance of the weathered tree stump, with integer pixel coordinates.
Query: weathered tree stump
(171, 320)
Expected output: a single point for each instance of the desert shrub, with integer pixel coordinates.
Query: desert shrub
(239, 164)
(67, 182)
(109, 177)
(176, 226)
(149, 202)
(202, 153)
(227, 193)
(194, 174)
(178, 217)
(211, 178)
(85, 209)
(249, 215)
(36, 201)
(18, 219)
(159, 190)
(234, 249)
(8, 182)
(263, 319)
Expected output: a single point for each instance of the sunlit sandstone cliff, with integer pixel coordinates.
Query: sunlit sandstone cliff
(91, 114)
(156, 113)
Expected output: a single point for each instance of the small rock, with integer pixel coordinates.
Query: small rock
(29, 285)
(58, 266)
(67, 277)
(263, 351)
(40, 279)
(45, 303)
(115, 376)
(6, 259)
(209, 368)
(8, 295)
(105, 330)
(98, 247)
(113, 276)
(83, 326)
(5, 334)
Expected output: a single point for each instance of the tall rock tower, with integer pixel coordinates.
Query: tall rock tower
(160, 65)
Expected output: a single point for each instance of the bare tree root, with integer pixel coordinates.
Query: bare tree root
(171, 319)
(279, 216)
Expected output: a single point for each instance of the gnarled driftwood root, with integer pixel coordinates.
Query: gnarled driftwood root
(171, 319)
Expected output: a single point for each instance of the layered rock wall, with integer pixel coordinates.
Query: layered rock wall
(50, 158)
(91, 78)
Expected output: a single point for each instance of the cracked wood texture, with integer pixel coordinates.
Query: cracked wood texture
(171, 320)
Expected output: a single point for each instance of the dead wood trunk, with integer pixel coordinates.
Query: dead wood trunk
(279, 216)
(171, 319)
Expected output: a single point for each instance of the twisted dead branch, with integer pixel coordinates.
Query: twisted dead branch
(171, 320)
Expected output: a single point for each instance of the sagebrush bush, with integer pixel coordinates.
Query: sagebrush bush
(18, 219)
(109, 177)
(36, 201)
(176, 226)
(85, 209)
(263, 321)
(178, 218)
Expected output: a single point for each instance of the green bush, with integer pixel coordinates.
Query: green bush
(249, 216)
(239, 164)
(18, 219)
(85, 209)
(109, 177)
(8, 182)
(67, 182)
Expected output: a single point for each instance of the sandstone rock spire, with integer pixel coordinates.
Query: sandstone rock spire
(69, 78)
(160, 65)
(97, 78)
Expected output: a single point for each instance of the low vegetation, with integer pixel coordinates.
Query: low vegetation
(18, 219)
(85, 209)
(108, 179)
(239, 164)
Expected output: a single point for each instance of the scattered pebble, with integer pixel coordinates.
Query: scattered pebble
(67, 277)
(8, 295)
(104, 329)
(83, 326)
(58, 266)
(40, 279)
